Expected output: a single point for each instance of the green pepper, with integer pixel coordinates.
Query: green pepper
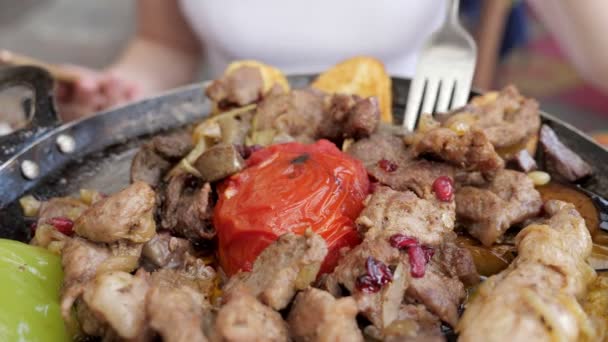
(30, 281)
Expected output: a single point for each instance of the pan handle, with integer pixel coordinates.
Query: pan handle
(43, 116)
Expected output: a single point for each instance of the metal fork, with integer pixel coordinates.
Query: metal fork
(444, 72)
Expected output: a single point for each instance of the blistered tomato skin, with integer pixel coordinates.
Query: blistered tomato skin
(289, 188)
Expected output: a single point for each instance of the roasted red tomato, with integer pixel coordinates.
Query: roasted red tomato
(289, 188)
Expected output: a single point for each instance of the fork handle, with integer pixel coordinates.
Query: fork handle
(452, 11)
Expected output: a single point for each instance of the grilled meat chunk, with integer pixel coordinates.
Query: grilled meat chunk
(458, 263)
(363, 119)
(148, 166)
(64, 207)
(317, 316)
(440, 293)
(506, 117)
(241, 87)
(128, 214)
(193, 274)
(379, 306)
(187, 208)
(535, 298)
(470, 150)
(349, 116)
(80, 260)
(524, 161)
(155, 158)
(389, 162)
(177, 313)
(244, 318)
(382, 307)
(289, 264)
(173, 146)
(488, 211)
(119, 299)
(166, 251)
(562, 161)
(394, 212)
(413, 323)
(297, 114)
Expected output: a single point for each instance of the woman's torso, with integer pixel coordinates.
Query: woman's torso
(310, 36)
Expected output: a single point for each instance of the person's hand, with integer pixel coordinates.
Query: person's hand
(93, 91)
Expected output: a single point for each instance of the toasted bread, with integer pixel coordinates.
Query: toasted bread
(364, 76)
(270, 74)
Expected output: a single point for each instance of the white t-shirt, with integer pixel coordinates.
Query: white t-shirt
(312, 35)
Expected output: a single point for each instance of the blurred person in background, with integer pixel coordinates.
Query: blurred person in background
(173, 37)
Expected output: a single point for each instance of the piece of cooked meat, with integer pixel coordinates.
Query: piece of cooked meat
(88, 322)
(363, 119)
(128, 214)
(244, 318)
(561, 160)
(352, 264)
(337, 109)
(166, 251)
(240, 87)
(395, 212)
(177, 313)
(506, 117)
(382, 307)
(470, 150)
(194, 274)
(488, 211)
(173, 146)
(349, 116)
(524, 161)
(148, 166)
(297, 114)
(187, 208)
(79, 260)
(156, 157)
(413, 323)
(440, 293)
(404, 172)
(457, 262)
(64, 207)
(317, 316)
(119, 299)
(535, 298)
(289, 264)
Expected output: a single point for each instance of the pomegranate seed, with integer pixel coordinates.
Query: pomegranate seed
(387, 165)
(378, 275)
(419, 255)
(63, 225)
(402, 241)
(417, 261)
(444, 188)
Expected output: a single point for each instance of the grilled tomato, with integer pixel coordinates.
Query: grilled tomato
(289, 188)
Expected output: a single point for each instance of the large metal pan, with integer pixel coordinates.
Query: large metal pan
(49, 159)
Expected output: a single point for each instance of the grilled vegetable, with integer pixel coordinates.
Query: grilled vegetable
(219, 162)
(29, 293)
(289, 188)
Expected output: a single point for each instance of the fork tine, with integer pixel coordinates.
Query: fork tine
(430, 95)
(462, 89)
(414, 98)
(445, 94)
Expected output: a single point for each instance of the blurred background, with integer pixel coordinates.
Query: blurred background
(91, 33)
